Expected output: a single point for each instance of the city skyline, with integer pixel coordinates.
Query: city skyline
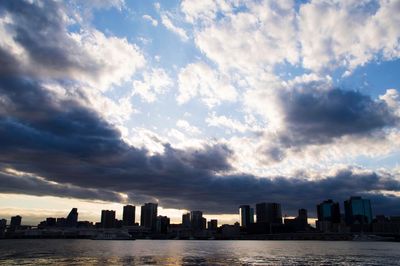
(198, 105)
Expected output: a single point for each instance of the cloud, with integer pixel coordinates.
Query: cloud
(153, 21)
(166, 21)
(78, 55)
(349, 34)
(198, 79)
(154, 83)
(187, 127)
(255, 37)
(66, 148)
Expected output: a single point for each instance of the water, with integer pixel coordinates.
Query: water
(180, 252)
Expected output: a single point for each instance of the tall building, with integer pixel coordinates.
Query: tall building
(107, 219)
(15, 222)
(269, 213)
(212, 225)
(148, 215)
(246, 215)
(197, 221)
(162, 224)
(3, 224)
(128, 215)
(328, 211)
(186, 220)
(358, 211)
(72, 218)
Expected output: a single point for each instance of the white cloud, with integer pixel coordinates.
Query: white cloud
(252, 40)
(205, 10)
(166, 21)
(155, 82)
(226, 122)
(183, 124)
(152, 20)
(349, 33)
(198, 79)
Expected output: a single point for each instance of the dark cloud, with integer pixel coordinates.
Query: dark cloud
(315, 116)
(319, 116)
(63, 141)
(41, 29)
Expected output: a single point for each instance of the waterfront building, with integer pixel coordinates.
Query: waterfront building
(186, 220)
(328, 211)
(212, 225)
(162, 224)
(246, 214)
(269, 213)
(148, 215)
(15, 222)
(197, 221)
(72, 218)
(107, 219)
(128, 215)
(358, 211)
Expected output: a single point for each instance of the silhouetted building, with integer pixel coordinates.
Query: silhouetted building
(197, 221)
(246, 214)
(358, 213)
(328, 211)
(128, 215)
(329, 218)
(148, 215)
(186, 220)
(386, 225)
(212, 225)
(108, 219)
(297, 224)
(15, 222)
(61, 222)
(162, 224)
(3, 224)
(72, 218)
(269, 213)
(50, 221)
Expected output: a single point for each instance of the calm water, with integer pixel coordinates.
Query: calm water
(170, 252)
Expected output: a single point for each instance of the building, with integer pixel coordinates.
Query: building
(50, 221)
(358, 211)
(197, 221)
(186, 220)
(107, 219)
(148, 216)
(128, 215)
(15, 222)
(297, 224)
(269, 213)
(162, 224)
(3, 224)
(328, 211)
(212, 225)
(246, 214)
(72, 218)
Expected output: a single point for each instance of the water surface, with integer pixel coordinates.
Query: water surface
(180, 252)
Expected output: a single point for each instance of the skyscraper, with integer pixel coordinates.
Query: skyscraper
(15, 222)
(197, 220)
(186, 220)
(162, 224)
(358, 211)
(328, 211)
(72, 218)
(246, 215)
(107, 219)
(269, 213)
(128, 215)
(148, 215)
(212, 225)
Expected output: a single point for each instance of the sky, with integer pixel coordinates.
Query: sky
(197, 105)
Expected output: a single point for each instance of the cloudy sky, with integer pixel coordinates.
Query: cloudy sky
(197, 105)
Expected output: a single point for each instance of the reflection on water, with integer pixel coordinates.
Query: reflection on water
(166, 252)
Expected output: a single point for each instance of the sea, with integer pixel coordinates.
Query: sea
(192, 252)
